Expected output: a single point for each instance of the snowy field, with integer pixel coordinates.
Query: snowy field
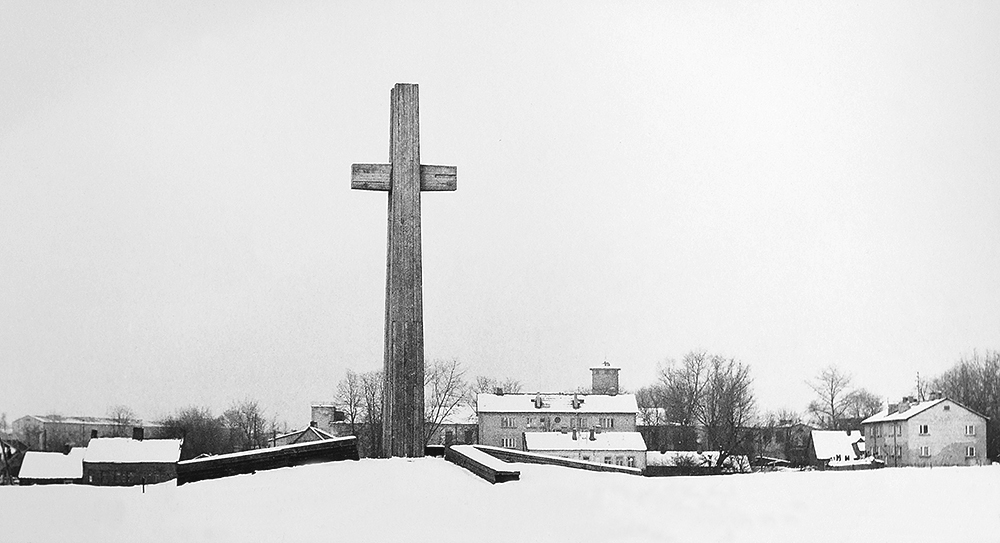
(431, 500)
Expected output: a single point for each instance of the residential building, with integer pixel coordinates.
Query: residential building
(936, 432)
(504, 418)
(619, 448)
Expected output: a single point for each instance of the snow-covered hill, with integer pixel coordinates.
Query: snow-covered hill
(431, 500)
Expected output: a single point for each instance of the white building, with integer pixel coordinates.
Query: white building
(619, 448)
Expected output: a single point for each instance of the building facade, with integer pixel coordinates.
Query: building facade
(122, 461)
(504, 418)
(618, 448)
(937, 432)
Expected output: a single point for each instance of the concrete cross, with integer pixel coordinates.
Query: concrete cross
(404, 177)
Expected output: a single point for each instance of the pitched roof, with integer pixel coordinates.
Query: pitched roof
(53, 465)
(316, 432)
(556, 403)
(605, 441)
(829, 443)
(916, 408)
(123, 450)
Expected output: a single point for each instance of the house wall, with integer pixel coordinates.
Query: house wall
(130, 474)
(619, 458)
(945, 438)
(492, 433)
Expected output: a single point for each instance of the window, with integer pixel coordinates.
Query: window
(631, 461)
(607, 422)
(947, 408)
(899, 431)
(507, 442)
(899, 450)
(924, 430)
(586, 457)
(506, 422)
(558, 420)
(879, 429)
(970, 429)
(619, 460)
(925, 450)
(970, 452)
(607, 459)
(527, 422)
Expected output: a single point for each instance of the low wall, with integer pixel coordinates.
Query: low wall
(227, 465)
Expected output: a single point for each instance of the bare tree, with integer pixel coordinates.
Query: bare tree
(683, 386)
(350, 398)
(859, 404)
(248, 424)
(652, 402)
(489, 385)
(203, 433)
(974, 381)
(831, 388)
(444, 391)
(714, 393)
(123, 419)
(728, 407)
(370, 440)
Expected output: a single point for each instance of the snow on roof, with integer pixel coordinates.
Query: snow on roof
(559, 403)
(605, 441)
(53, 465)
(920, 407)
(830, 443)
(123, 450)
(307, 430)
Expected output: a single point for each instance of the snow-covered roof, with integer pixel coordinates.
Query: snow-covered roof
(916, 408)
(320, 434)
(558, 403)
(830, 443)
(604, 441)
(123, 450)
(53, 465)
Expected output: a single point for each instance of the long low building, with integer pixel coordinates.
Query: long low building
(619, 448)
(122, 461)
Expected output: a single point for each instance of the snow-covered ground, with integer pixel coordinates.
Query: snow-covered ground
(431, 500)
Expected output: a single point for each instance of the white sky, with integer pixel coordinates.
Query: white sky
(791, 184)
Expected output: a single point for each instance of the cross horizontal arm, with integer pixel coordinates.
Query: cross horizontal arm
(377, 177)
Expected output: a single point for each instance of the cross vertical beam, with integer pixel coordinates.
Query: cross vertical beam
(403, 178)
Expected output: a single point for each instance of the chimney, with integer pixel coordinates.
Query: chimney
(498, 391)
(137, 433)
(312, 424)
(905, 403)
(538, 401)
(604, 379)
(592, 438)
(574, 434)
(577, 402)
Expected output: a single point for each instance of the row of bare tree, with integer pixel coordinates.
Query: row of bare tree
(446, 391)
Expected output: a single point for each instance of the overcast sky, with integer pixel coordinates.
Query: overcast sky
(791, 184)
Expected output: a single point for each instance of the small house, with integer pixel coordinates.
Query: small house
(46, 468)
